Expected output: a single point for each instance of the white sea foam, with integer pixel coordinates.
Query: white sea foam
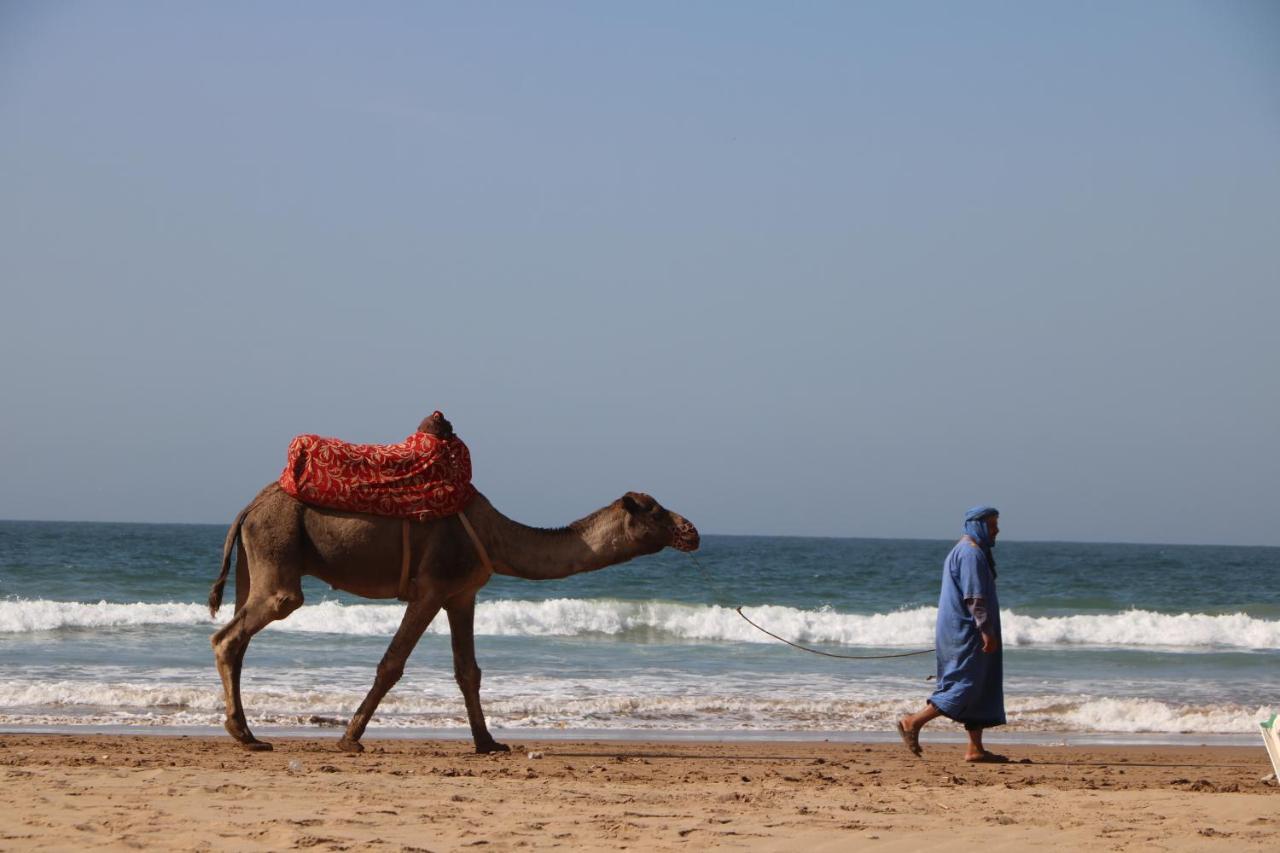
(645, 620)
(689, 705)
(22, 616)
(1140, 715)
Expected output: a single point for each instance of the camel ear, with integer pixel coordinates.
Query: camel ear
(638, 502)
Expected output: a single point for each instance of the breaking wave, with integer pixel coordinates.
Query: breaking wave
(634, 707)
(670, 622)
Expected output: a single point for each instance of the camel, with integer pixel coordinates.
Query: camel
(282, 539)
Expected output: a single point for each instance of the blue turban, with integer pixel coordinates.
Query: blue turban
(975, 525)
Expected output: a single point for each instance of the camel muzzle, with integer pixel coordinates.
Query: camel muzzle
(686, 537)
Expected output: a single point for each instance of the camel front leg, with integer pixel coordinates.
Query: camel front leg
(417, 616)
(462, 632)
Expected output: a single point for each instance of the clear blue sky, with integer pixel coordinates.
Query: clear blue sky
(821, 268)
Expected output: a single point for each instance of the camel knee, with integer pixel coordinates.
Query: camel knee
(221, 646)
(389, 672)
(283, 603)
(468, 677)
(226, 640)
(219, 638)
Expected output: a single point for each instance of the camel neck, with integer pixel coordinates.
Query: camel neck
(536, 553)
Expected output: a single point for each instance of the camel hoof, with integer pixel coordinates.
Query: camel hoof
(492, 746)
(350, 745)
(245, 738)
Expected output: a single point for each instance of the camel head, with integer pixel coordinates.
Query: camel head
(652, 526)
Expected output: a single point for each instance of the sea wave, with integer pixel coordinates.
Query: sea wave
(189, 704)
(641, 621)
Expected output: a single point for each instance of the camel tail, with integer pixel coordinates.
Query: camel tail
(215, 594)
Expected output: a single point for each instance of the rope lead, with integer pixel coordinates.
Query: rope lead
(738, 610)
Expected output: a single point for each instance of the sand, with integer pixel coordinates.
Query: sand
(71, 792)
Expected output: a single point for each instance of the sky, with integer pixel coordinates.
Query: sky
(829, 269)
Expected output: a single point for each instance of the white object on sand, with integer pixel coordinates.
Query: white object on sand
(1271, 737)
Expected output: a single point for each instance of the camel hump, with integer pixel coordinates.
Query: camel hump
(436, 424)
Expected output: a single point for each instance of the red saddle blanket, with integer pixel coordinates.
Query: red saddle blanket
(420, 478)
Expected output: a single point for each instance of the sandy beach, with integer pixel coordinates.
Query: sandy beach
(202, 793)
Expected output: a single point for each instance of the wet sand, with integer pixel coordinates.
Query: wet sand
(199, 793)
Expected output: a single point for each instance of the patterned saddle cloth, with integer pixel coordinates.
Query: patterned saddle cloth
(420, 478)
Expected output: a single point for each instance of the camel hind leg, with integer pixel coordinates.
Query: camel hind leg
(259, 602)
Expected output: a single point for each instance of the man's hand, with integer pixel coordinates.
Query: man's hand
(989, 643)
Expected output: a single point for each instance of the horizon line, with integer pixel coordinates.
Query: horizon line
(733, 535)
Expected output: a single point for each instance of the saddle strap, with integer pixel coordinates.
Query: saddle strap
(406, 563)
(404, 560)
(475, 540)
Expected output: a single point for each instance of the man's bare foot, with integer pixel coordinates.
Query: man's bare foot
(985, 757)
(910, 737)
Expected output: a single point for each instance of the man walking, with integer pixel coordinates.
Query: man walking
(970, 665)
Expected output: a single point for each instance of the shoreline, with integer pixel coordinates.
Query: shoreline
(935, 734)
(115, 792)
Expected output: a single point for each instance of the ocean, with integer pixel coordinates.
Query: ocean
(104, 627)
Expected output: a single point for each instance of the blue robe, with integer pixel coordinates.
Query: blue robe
(970, 681)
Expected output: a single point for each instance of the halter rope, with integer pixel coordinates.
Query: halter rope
(738, 610)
